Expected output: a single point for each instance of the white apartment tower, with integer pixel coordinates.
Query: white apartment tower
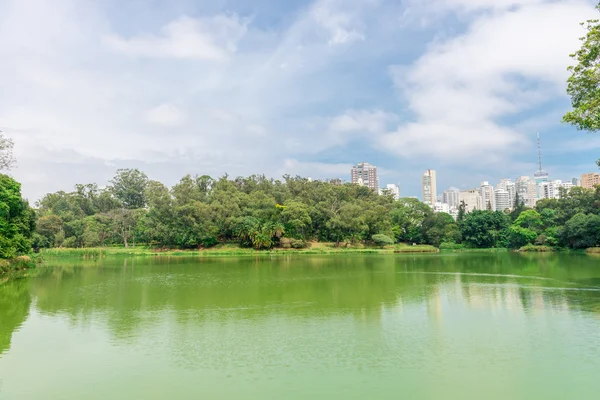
(365, 174)
(510, 187)
(450, 197)
(502, 200)
(487, 195)
(429, 187)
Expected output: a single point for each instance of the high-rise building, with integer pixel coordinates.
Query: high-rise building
(553, 189)
(541, 176)
(501, 200)
(429, 187)
(576, 182)
(365, 174)
(472, 199)
(510, 187)
(450, 197)
(487, 195)
(527, 190)
(588, 181)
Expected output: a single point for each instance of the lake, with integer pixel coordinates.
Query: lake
(441, 326)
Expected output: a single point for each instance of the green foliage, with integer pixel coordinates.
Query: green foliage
(17, 220)
(485, 229)
(584, 83)
(260, 213)
(440, 227)
(129, 187)
(581, 231)
(382, 240)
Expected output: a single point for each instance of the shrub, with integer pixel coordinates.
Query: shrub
(299, 244)
(530, 248)
(451, 246)
(382, 240)
(285, 243)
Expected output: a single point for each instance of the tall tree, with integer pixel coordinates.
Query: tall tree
(129, 186)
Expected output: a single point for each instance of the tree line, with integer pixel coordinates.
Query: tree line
(262, 213)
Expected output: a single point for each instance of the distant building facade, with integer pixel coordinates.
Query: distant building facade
(441, 207)
(450, 197)
(588, 181)
(472, 199)
(365, 174)
(501, 200)
(429, 187)
(487, 195)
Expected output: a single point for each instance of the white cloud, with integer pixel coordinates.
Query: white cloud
(373, 121)
(506, 62)
(315, 170)
(164, 115)
(211, 39)
(343, 26)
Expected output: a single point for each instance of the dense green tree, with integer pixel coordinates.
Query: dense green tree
(584, 83)
(485, 229)
(581, 231)
(382, 240)
(407, 216)
(129, 187)
(296, 219)
(17, 219)
(440, 227)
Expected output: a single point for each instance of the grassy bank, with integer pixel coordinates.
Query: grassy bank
(467, 250)
(15, 268)
(230, 250)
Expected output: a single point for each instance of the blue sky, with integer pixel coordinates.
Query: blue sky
(299, 87)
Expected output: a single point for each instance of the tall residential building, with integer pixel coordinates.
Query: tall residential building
(541, 176)
(527, 190)
(472, 199)
(429, 187)
(501, 200)
(588, 181)
(365, 174)
(511, 188)
(450, 197)
(552, 189)
(487, 195)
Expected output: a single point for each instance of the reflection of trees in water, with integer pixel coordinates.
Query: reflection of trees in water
(14, 309)
(129, 294)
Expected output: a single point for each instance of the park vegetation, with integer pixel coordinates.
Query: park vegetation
(256, 212)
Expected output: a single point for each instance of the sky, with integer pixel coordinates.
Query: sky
(176, 87)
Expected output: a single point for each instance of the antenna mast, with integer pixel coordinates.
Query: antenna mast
(539, 152)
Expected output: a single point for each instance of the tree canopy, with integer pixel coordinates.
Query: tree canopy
(584, 83)
(259, 212)
(17, 219)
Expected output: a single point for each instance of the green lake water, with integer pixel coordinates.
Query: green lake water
(443, 326)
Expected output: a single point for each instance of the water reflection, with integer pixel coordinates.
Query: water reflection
(136, 294)
(15, 301)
